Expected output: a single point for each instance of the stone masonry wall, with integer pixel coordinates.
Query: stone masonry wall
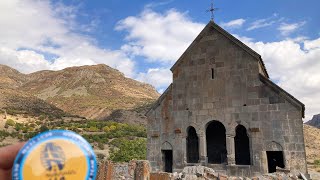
(236, 95)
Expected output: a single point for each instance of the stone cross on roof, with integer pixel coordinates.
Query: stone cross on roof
(212, 9)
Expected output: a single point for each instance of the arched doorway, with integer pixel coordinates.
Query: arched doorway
(192, 146)
(167, 156)
(216, 143)
(242, 146)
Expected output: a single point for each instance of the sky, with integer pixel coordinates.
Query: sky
(143, 38)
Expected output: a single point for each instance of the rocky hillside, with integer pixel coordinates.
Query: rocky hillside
(315, 121)
(95, 92)
(312, 143)
(15, 101)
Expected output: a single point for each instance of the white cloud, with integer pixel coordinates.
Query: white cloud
(237, 23)
(32, 29)
(159, 37)
(159, 77)
(311, 45)
(260, 24)
(286, 29)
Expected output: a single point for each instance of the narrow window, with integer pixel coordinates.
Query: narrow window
(212, 73)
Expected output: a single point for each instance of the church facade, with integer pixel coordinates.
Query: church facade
(222, 111)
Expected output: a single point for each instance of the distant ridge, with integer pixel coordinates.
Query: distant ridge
(315, 121)
(95, 92)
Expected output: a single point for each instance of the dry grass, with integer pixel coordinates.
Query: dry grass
(312, 142)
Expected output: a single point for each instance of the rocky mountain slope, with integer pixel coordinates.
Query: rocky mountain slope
(312, 143)
(14, 100)
(315, 121)
(95, 92)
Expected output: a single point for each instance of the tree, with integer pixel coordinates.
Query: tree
(129, 149)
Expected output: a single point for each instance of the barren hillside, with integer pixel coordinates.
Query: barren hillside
(312, 143)
(95, 92)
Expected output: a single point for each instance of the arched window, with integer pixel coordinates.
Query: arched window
(216, 143)
(192, 146)
(242, 146)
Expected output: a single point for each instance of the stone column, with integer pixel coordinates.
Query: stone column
(230, 149)
(203, 148)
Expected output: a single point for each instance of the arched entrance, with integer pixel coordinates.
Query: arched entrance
(167, 156)
(192, 146)
(216, 143)
(242, 146)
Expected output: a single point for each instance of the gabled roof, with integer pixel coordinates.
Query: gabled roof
(157, 103)
(227, 35)
(283, 93)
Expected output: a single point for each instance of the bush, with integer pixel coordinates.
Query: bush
(18, 126)
(93, 129)
(43, 128)
(42, 117)
(101, 146)
(317, 162)
(106, 129)
(129, 149)
(100, 156)
(10, 122)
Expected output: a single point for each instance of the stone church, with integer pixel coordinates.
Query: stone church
(222, 111)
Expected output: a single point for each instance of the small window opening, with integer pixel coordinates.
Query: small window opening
(212, 73)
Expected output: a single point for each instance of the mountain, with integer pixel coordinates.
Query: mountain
(315, 121)
(10, 78)
(13, 100)
(95, 92)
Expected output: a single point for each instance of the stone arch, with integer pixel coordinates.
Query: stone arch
(274, 146)
(166, 146)
(231, 128)
(216, 142)
(192, 145)
(242, 146)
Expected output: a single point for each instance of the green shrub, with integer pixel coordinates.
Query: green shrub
(42, 117)
(317, 162)
(93, 129)
(18, 126)
(10, 122)
(106, 129)
(101, 146)
(43, 128)
(128, 150)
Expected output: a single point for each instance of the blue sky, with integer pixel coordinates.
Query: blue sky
(110, 12)
(143, 38)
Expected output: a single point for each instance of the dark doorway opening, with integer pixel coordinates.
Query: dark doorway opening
(216, 143)
(242, 146)
(275, 158)
(168, 160)
(192, 146)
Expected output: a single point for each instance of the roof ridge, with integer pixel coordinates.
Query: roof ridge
(230, 37)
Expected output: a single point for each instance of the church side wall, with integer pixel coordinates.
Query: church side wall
(160, 132)
(282, 129)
